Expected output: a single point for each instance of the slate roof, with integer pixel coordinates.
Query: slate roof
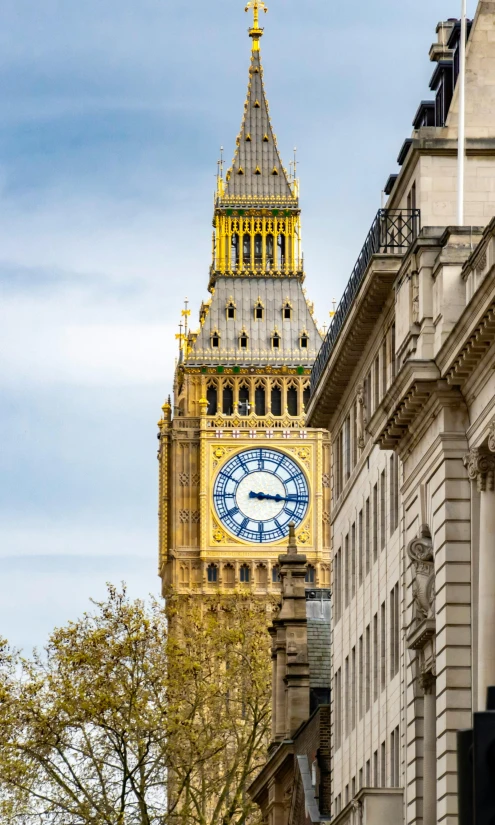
(245, 291)
(318, 627)
(256, 153)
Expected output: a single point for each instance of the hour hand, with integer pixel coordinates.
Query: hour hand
(266, 496)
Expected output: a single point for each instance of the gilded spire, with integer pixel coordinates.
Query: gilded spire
(256, 32)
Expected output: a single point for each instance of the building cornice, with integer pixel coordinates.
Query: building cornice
(360, 322)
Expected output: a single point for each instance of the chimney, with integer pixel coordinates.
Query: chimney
(440, 50)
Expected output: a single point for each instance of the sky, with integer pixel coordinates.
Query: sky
(111, 118)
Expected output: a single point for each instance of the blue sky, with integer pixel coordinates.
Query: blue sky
(112, 114)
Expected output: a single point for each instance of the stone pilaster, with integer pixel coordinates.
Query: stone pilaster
(480, 465)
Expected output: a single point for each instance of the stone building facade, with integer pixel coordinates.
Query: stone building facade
(294, 787)
(405, 384)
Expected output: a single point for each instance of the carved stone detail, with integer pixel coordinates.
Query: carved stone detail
(420, 551)
(481, 468)
(427, 681)
(491, 436)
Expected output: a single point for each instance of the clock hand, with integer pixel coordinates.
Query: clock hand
(267, 497)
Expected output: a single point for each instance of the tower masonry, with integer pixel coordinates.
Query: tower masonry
(237, 463)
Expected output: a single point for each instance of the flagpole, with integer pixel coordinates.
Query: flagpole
(461, 141)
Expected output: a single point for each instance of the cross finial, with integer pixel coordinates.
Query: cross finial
(255, 32)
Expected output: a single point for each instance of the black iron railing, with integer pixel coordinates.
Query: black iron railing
(393, 231)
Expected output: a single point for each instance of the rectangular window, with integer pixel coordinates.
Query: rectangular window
(354, 434)
(375, 657)
(335, 579)
(347, 696)
(353, 787)
(376, 778)
(367, 538)
(393, 362)
(360, 779)
(376, 375)
(368, 396)
(346, 794)
(375, 522)
(353, 688)
(394, 631)
(368, 773)
(383, 510)
(361, 676)
(383, 650)
(353, 561)
(383, 770)
(394, 493)
(395, 758)
(347, 443)
(360, 546)
(367, 683)
(346, 569)
(338, 708)
(384, 367)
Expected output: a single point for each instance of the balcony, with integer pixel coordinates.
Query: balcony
(392, 233)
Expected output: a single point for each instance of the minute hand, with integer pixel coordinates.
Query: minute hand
(268, 497)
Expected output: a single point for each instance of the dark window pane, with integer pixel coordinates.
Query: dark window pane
(244, 401)
(292, 401)
(276, 401)
(228, 400)
(306, 396)
(212, 398)
(259, 399)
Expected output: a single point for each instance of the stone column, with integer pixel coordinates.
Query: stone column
(481, 468)
(427, 682)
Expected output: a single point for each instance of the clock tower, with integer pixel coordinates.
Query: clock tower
(237, 462)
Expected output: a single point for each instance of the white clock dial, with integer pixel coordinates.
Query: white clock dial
(258, 493)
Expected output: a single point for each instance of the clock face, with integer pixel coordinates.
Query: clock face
(258, 493)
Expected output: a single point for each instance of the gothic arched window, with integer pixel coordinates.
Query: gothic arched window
(234, 250)
(304, 340)
(228, 400)
(258, 248)
(287, 310)
(310, 574)
(275, 340)
(276, 399)
(269, 251)
(260, 400)
(292, 400)
(212, 573)
(244, 573)
(243, 340)
(212, 398)
(281, 250)
(230, 309)
(246, 248)
(244, 399)
(215, 339)
(275, 574)
(258, 310)
(306, 396)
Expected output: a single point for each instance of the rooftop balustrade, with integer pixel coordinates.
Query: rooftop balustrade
(392, 232)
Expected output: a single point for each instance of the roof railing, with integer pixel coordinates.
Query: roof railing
(392, 232)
